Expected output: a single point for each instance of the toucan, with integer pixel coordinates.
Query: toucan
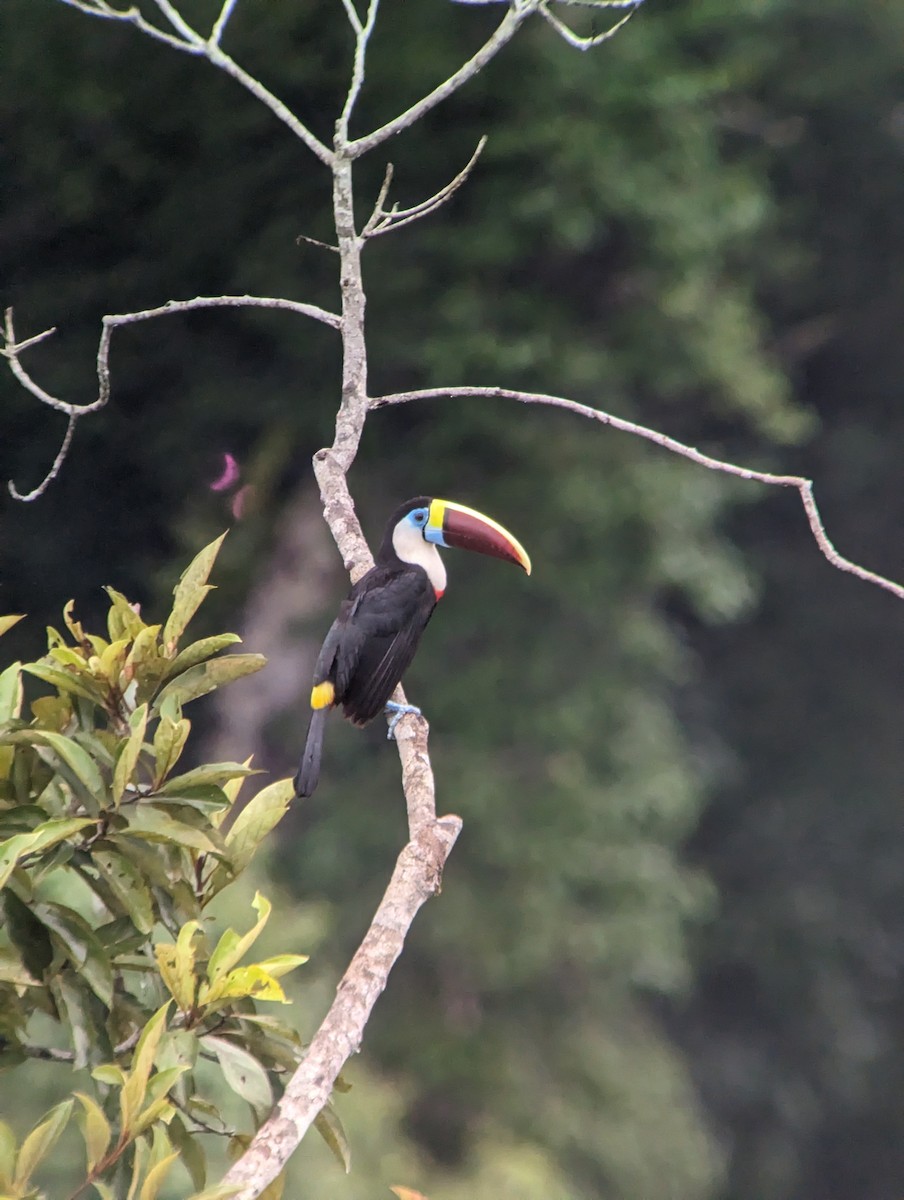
(374, 638)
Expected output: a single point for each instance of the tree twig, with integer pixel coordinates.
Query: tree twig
(588, 42)
(193, 43)
(505, 31)
(382, 220)
(362, 37)
(11, 350)
(802, 485)
(132, 16)
(221, 22)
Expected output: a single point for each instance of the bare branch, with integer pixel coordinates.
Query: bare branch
(222, 21)
(362, 37)
(131, 16)
(417, 876)
(352, 13)
(803, 486)
(505, 31)
(48, 479)
(11, 349)
(378, 210)
(179, 23)
(382, 221)
(221, 59)
(193, 43)
(574, 39)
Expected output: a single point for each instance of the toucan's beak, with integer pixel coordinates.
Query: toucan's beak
(455, 525)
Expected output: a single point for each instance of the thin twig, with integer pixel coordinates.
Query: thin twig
(27, 497)
(11, 349)
(802, 485)
(213, 52)
(132, 16)
(575, 39)
(179, 23)
(222, 21)
(362, 37)
(505, 31)
(352, 13)
(383, 221)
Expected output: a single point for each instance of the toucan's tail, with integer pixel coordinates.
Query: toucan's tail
(309, 767)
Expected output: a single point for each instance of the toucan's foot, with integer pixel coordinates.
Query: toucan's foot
(398, 711)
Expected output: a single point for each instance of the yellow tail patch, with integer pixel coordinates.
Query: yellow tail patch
(323, 695)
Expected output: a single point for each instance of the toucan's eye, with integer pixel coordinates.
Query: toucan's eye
(419, 516)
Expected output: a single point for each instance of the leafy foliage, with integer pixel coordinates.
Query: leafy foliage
(109, 859)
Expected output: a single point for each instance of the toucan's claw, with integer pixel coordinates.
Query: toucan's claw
(398, 711)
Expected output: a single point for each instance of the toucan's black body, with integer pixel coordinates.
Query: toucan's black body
(376, 633)
(372, 641)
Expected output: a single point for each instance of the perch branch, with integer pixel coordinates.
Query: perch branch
(803, 486)
(383, 221)
(417, 876)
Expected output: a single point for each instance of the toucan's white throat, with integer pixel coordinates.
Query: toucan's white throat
(410, 545)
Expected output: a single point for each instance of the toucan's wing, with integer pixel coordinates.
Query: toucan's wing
(382, 630)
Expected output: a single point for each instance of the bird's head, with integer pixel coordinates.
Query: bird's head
(444, 523)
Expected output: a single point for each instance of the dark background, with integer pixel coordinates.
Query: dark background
(667, 961)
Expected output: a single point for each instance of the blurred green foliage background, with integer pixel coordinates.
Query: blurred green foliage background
(667, 960)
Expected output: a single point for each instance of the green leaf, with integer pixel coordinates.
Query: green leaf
(169, 742)
(27, 934)
(73, 1002)
(231, 947)
(189, 593)
(128, 886)
(155, 1178)
(9, 621)
(215, 773)
(68, 751)
(199, 651)
(46, 835)
(66, 681)
(329, 1127)
(152, 825)
(282, 964)
(109, 1074)
(131, 749)
(243, 1073)
(131, 1099)
(122, 619)
(81, 944)
(162, 1082)
(95, 1129)
(190, 1151)
(206, 677)
(243, 981)
(11, 692)
(7, 1155)
(176, 964)
(220, 1191)
(158, 1110)
(39, 1142)
(255, 821)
